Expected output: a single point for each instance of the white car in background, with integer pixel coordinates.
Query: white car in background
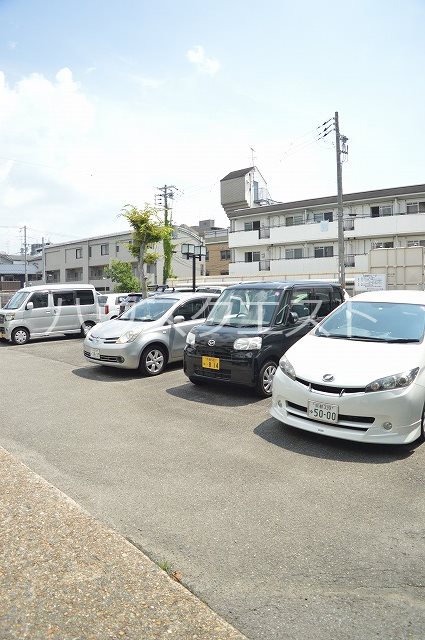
(360, 373)
(109, 304)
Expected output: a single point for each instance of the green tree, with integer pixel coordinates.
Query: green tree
(122, 273)
(148, 230)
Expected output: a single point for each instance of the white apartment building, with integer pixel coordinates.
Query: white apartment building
(300, 239)
(85, 260)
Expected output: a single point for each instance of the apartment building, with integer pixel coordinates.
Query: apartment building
(85, 260)
(300, 239)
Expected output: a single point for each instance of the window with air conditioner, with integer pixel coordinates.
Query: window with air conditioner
(416, 243)
(382, 245)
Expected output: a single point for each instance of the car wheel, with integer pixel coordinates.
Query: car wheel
(20, 336)
(152, 361)
(422, 435)
(265, 379)
(85, 328)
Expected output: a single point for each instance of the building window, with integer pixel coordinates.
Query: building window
(382, 245)
(89, 252)
(293, 254)
(224, 273)
(381, 210)
(78, 253)
(117, 248)
(252, 256)
(225, 254)
(323, 252)
(207, 255)
(252, 226)
(96, 273)
(104, 249)
(415, 207)
(416, 243)
(294, 220)
(319, 217)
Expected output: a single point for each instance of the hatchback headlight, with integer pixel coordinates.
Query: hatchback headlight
(396, 381)
(190, 338)
(287, 367)
(128, 336)
(248, 344)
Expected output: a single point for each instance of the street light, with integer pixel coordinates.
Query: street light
(194, 251)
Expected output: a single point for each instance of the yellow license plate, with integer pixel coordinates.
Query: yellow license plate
(210, 363)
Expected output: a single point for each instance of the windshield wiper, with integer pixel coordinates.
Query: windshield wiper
(404, 340)
(338, 336)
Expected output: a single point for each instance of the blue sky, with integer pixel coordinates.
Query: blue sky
(101, 102)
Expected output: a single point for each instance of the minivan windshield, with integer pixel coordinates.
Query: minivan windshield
(17, 300)
(148, 310)
(245, 307)
(375, 322)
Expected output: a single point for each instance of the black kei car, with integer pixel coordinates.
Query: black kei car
(250, 328)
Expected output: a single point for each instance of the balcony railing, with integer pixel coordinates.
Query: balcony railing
(264, 232)
(349, 260)
(348, 222)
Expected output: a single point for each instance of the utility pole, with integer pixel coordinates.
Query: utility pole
(43, 262)
(25, 255)
(339, 151)
(166, 193)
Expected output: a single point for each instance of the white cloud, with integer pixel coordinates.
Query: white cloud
(198, 57)
(151, 83)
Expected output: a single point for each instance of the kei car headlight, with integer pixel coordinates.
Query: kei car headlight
(9, 316)
(396, 381)
(247, 344)
(128, 336)
(190, 338)
(287, 367)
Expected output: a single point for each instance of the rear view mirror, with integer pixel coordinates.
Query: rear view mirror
(30, 306)
(178, 319)
(292, 317)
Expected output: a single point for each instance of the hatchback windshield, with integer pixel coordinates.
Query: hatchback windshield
(17, 300)
(375, 322)
(245, 307)
(148, 310)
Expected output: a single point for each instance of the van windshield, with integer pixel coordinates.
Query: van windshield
(17, 300)
(245, 307)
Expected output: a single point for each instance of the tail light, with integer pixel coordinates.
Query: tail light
(106, 309)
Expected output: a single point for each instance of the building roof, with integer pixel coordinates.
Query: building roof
(17, 269)
(237, 174)
(332, 200)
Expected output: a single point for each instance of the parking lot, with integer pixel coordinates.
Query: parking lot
(284, 533)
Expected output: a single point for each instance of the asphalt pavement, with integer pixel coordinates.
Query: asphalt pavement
(284, 534)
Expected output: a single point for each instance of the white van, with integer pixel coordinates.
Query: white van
(48, 310)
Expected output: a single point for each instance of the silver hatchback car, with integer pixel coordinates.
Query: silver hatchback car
(150, 334)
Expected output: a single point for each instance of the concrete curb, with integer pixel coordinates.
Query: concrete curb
(64, 575)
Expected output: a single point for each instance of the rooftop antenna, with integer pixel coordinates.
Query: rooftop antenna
(252, 157)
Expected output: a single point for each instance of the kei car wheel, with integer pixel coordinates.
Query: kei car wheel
(265, 379)
(422, 435)
(20, 336)
(152, 361)
(85, 328)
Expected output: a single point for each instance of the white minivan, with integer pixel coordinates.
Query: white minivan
(48, 310)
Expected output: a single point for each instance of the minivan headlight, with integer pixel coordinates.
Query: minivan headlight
(128, 336)
(287, 367)
(247, 344)
(9, 316)
(190, 338)
(396, 381)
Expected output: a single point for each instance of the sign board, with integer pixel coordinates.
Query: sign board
(370, 282)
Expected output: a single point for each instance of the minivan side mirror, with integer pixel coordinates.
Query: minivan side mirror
(30, 306)
(178, 319)
(292, 317)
